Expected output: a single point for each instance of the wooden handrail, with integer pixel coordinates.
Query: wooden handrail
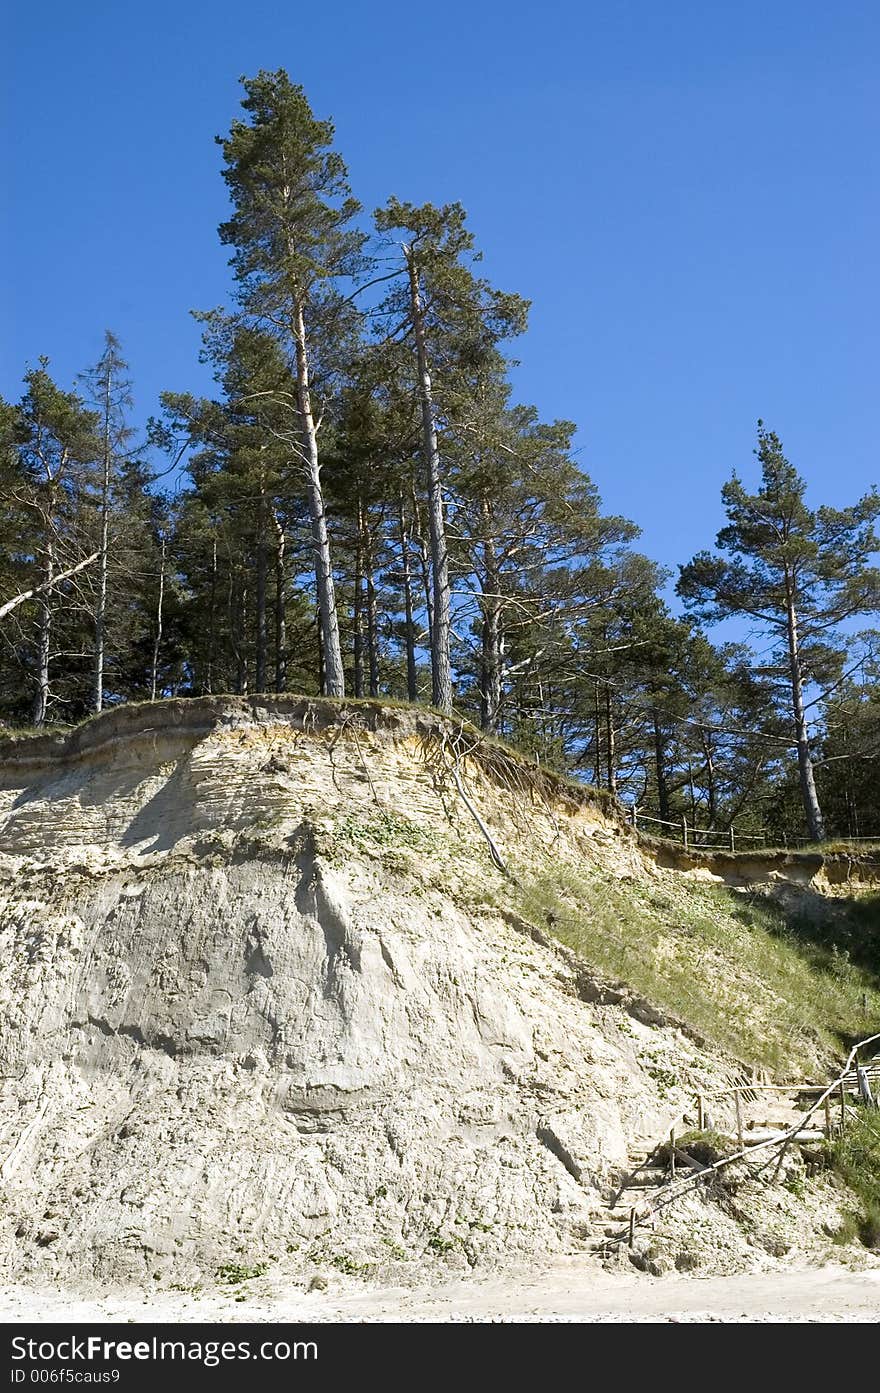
(872, 1070)
(675, 1189)
(704, 838)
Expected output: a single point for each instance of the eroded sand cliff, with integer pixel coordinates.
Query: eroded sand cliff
(265, 998)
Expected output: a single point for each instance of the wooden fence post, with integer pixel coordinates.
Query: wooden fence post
(739, 1119)
(842, 1106)
(732, 839)
(684, 830)
(700, 1114)
(828, 1116)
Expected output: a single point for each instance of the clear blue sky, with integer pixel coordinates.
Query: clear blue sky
(687, 191)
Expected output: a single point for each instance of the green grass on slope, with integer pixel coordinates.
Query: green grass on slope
(855, 1155)
(779, 993)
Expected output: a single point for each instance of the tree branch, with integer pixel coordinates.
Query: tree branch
(47, 585)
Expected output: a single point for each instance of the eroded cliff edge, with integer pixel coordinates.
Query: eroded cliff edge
(266, 998)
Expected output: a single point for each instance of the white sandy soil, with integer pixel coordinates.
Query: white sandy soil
(564, 1292)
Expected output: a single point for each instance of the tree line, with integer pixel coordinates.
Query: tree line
(362, 508)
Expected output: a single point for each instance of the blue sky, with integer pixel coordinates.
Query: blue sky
(687, 192)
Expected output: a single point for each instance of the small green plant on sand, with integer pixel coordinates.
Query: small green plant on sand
(438, 1244)
(233, 1273)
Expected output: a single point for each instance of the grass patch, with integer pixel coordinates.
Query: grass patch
(848, 932)
(438, 1244)
(346, 1264)
(855, 1155)
(233, 1273)
(385, 829)
(385, 836)
(761, 987)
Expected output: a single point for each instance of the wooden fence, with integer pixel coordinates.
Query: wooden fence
(832, 1098)
(692, 837)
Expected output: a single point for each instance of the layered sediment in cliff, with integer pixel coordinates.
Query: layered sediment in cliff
(265, 996)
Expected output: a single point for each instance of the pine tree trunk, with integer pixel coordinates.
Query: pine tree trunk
(101, 607)
(212, 620)
(412, 689)
(610, 741)
(357, 607)
(660, 766)
(321, 667)
(242, 642)
(372, 631)
(441, 670)
(334, 675)
(260, 664)
(41, 702)
(154, 676)
(280, 620)
(812, 810)
(424, 569)
(490, 668)
(490, 683)
(710, 781)
(597, 737)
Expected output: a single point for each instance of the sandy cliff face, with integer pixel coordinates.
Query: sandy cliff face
(261, 998)
(266, 998)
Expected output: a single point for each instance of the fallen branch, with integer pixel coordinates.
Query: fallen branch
(673, 1191)
(347, 724)
(25, 595)
(493, 850)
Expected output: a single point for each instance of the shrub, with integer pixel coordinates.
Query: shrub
(705, 1147)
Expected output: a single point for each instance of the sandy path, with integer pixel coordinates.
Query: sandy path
(565, 1292)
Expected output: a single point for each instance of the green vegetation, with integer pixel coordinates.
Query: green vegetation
(385, 829)
(438, 1244)
(438, 541)
(233, 1273)
(395, 1249)
(707, 1147)
(385, 836)
(855, 1155)
(343, 1262)
(778, 991)
(347, 1265)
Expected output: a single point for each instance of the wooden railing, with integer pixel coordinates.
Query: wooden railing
(846, 1082)
(692, 837)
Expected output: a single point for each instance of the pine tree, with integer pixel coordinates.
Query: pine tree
(455, 319)
(57, 445)
(292, 234)
(530, 537)
(850, 749)
(800, 573)
(109, 391)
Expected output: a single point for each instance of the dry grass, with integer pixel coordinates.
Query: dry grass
(855, 1155)
(776, 992)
